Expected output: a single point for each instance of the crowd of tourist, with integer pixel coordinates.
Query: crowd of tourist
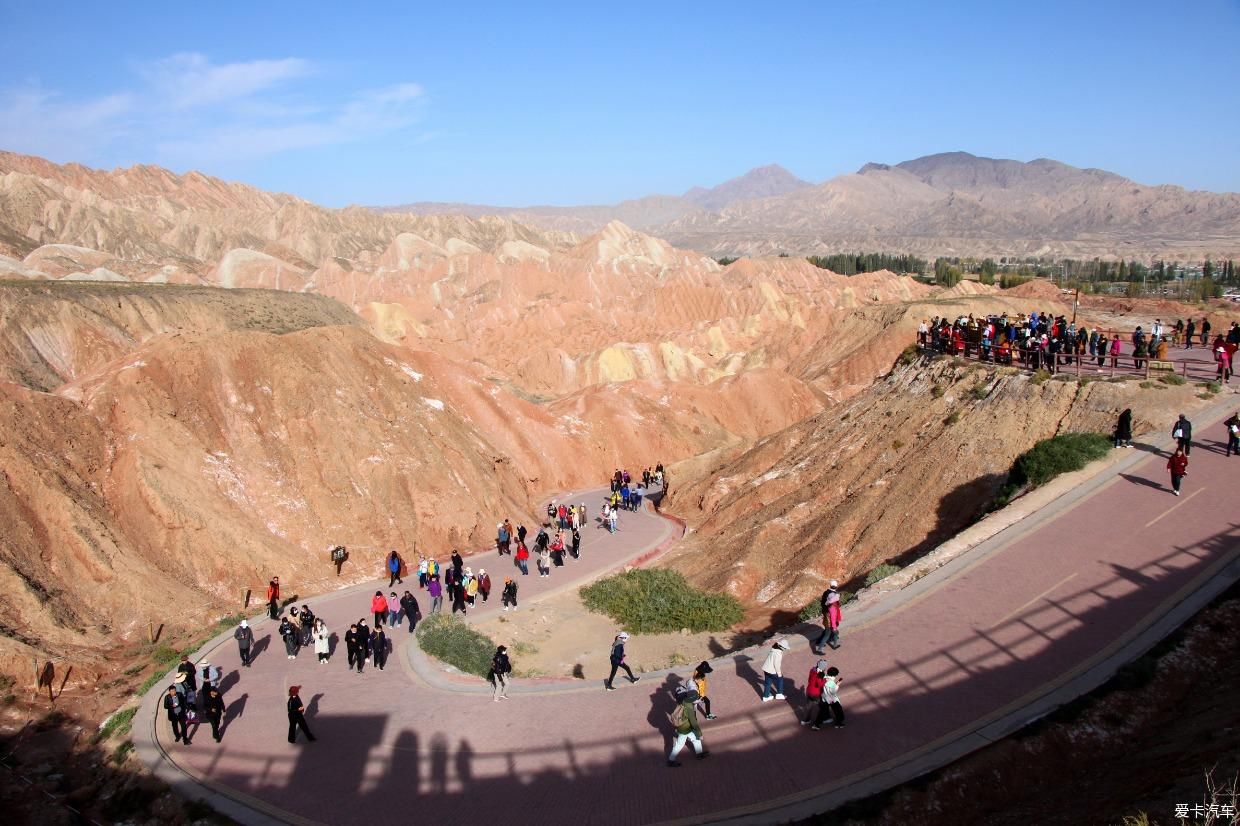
(1049, 342)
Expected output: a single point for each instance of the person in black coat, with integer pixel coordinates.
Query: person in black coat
(1182, 431)
(175, 707)
(213, 707)
(378, 647)
(350, 644)
(458, 564)
(191, 674)
(1123, 429)
(501, 667)
(245, 641)
(297, 715)
(575, 548)
(363, 644)
(409, 606)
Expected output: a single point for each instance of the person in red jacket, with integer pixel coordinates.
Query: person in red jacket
(379, 606)
(1178, 465)
(523, 558)
(273, 597)
(813, 691)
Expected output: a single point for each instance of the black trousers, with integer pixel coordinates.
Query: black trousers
(180, 731)
(833, 710)
(615, 667)
(245, 657)
(1187, 444)
(214, 720)
(297, 720)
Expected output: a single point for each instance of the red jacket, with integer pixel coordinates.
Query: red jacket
(523, 552)
(813, 686)
(834, 615)
(378, 604)
(1177, 464)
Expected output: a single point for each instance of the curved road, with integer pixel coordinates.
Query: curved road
(1042, 612)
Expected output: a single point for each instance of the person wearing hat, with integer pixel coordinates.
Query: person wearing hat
(484, 584)
(245, 641)
(191, 674)
(617, 661)
(831, 616)
(773, 672)
(297, 715)
(830, 700)
(699, 680)
(508, 598)
(813, 691)
(174, 705)
(685, 721)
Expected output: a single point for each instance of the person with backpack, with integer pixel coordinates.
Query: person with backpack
(830, 700)
(617, 661)
(174, 705)
(213, 708)
(273, 598)
(409, 607)
(501, 667)
(1182, 432)
(1233, 434)
(297, 715)
(394, 564)
(685, 722)
(379, 607)
(773, 672)
(831, 616)
(508, 597)
(502, 539)
(1178, 465)
(245, 641)
(699, 682)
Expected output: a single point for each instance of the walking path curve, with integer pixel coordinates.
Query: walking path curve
(1039, 614)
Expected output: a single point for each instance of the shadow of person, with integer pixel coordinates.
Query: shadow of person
(260, 645)
(403, 768)
(439, 764)
(662, 704)
(230, 679)
(716, 648)
(233, 711)
(464, 764)
(332, 640)
(1137, 480)
(747, 673)
(312, 708)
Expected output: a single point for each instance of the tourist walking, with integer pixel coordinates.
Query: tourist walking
(422, 565)
(773, 672)
(351, 645)
(501, 667)
(378, 648)
(813, 691)
(699, 682)
(436, 591)
(617, 661)
(1205, 331)
(174, 705)
(322, 641)
(575, 547)
(291, 636)
(613, 519)
(191, 674)
(378, 607)
(1233, 434)
(831, 616)
(1123, 429)
(685, 722)
(1182, 432)
(244, 636)
(830, 700)
(393, 608)
(544, 561)
(297, 715)
(502, 538)
(484, 584)
(363, 644)
(508, 597)
(213, 708)
(523, 559)
(273, 598)
(394, 564)
(1178, 465)
(409, 607)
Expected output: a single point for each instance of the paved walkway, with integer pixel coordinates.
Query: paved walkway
(939, 669)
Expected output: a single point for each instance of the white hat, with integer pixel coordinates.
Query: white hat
(781, 644)
(245, 624)
(623, 635)
(835, 583)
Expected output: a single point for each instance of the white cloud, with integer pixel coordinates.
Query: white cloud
(188, 79)
(185, 110)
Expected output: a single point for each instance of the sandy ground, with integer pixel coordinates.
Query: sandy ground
(558, 637)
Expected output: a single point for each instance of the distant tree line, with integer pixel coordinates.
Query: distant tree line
(852, 263)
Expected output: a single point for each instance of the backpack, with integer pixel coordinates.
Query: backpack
(680, 720)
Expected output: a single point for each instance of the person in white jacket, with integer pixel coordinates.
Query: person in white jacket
(773, 672)
(322, 641)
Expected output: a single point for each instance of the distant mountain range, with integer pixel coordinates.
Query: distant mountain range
(947, 204)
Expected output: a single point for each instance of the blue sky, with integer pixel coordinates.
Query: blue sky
(378, 103)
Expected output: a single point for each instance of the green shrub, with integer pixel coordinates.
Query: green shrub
(1040, 376)
(1049, 458)
(952, 418)
(881, 572)
(937, 391)
(654, 601)
(119, 723)
(896, 444)
(121, 751)
(1213, 387)
(979, 391)
(452, 641)
(1172, 379)
(909, 354)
